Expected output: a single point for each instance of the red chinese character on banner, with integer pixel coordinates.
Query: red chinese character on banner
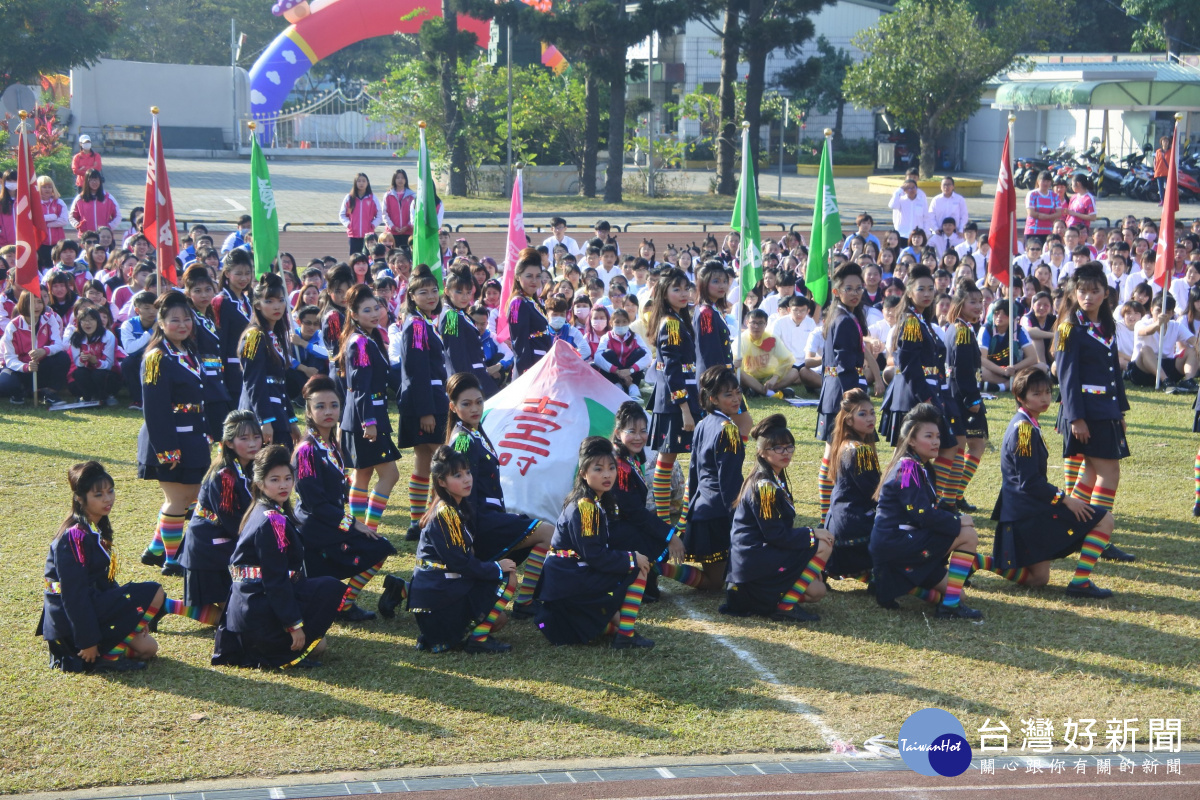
(532, 419)
(526, 462)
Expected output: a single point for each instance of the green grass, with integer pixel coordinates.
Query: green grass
(673, 203)
(379, 703)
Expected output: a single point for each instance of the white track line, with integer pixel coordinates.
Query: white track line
(899, 790)
(838, 744)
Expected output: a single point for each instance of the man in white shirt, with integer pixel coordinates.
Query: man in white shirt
(784, 289)
(1160, 341)
(794, 327)
(908, 207)
(559, 236)
(947, 204)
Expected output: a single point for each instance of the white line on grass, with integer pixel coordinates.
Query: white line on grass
(838, 744)
(897, 790)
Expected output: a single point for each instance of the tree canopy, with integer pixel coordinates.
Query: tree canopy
(49, 36)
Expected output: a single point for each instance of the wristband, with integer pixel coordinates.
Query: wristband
(293, 628)
(679, 395)
(367, 423)
(346, 523)
(170, 457)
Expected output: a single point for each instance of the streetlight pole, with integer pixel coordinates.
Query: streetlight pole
(782, 129)
(508, 54)
(650, 116)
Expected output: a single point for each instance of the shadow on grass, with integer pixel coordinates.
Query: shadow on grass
(53, 452)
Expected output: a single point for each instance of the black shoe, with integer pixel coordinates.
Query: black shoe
(68, 663)
(1089, 590)
(355, 614)
(946, 505)
(488, 645)
(725, 609)
(1114, 553)
(394, 592)
(964, 507)
(795, 614)
(748, 392)
(152, 559)
(414, 533)
(525, 610)
(959, 611)
(1196, 510)
(1187, 385)
(789, 393)
(620, 642)
(50, 397)
(310, 663)
(173, 568)
(120, 665)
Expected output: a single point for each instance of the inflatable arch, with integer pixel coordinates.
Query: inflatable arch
(326, 27)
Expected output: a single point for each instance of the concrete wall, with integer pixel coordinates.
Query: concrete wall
(121, 92)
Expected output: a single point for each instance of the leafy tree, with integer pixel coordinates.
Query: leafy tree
(44, 36)
(1171, 25)
(824, 94)
(752, 30)
(927, 63)
(191, 31)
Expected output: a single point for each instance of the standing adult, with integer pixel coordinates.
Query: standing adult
(397, 209)
(1042, 208)
(1081, 208)
(84, 161)
(908, 207)
(947, 204)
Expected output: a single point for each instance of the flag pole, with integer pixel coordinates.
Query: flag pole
(33, 320)
(1012, 301)
(1169, 255)
(742, 292)
(158, 251)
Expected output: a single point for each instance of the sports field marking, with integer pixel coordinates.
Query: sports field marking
(897, 790)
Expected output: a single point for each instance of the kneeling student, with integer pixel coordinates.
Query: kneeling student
(773, 566)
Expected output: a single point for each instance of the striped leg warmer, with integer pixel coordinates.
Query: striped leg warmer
(960, 567)
(358, 504)
(988, 564)
(1103, 497)
(631, 606)
(942, 469)
(1072, 469)
(1082, 491)
(418, 497)
(205, 615)
(170, 528)
(824, 488)
(356, 586)
(928, 595)
(969, 466)
(796, 594)
(122, 649)
(957, 483)
(533, 573)
(661, 488)
(1093, 545)
(684, 573)
(484, 629)
(376, 503)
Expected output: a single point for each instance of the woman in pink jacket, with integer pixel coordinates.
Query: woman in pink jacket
(57, 213)
(85, 161)
(360, 213)
(94, 208)
(398, 209)
(24, 354)
(8, 209)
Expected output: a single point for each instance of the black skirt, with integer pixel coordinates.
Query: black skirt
(761, 597)
(202, 587)
(976, 424)
(581, 618)
(118, 611)
(447, 627)
(825, 425)
(889, 425)
(1196, 421)
(707, 541)
(1106, 440)
(667, 434)
(411, 435)
(355, 554)
(263, 642)
(500, 533)
(849, 560)
(924, 568)
(361, 453)
(953, 425)
(188, 476)
(1042, 538)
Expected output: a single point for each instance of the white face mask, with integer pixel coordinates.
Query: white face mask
(10, 185)
(620, 330)
(1150, 237)
(86, 146)
(557, 322)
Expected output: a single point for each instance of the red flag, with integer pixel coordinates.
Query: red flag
(31, 225)
(159, 222)
(1003, 229)
(516, 243)
(1164, 261)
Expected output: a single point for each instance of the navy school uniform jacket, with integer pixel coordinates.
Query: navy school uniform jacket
(173, 409)
(963, 363)
(232, 318)
(324, 492)
(464, 350)
(852, 501)
(630, 493)
(919, 365)
(843, 362)
(715, 472)
(714, 346)
(486, 493)
(676, 383)
(422, 370)
(208, 346)
(269, 540)
(331, 328)
(213, 529)
(584, 563)
(908, 515)
(367, 377)
(529, 332)
(447, 568)
(1089, 372)
(80, 564)
(1025, 491)
(264, 383)
(765, 540)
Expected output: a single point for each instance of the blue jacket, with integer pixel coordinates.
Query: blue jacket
(447, 568)
(715, 471)
(764, 537)
(676, 383)
(1025, 490)
(852, 501)
(908, 514)
(843, 362)
(1091, 385)
(422, 369)
(213, 529)
(920, 360)
(367, 377)
(714, 346)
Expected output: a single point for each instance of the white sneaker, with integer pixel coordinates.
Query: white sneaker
(635, 392)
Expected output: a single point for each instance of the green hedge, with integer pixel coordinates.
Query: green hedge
(853, 152)
(57, 167)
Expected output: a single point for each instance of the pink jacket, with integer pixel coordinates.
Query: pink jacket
(363, 219)
(88, 215)
(15, 346)
(398, 209)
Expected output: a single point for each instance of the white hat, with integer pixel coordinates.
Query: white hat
(83, 137)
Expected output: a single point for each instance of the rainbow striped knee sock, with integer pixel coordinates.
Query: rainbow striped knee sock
(660, 487)
(684, 573)
(532, 574)
(793, 595)
(205, 615)
(824, 488)
(376, 503)
(989, 564)
(1093, 545)
(631, 606)
(942, 469)
(1072, 470)
(1103, 497)
(358, 504)
(418, 497)
(122, 649)
(170, 529)
(484, 629)
(960, 567)
(356, 585)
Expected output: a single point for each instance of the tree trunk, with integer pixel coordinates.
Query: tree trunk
(731, 47)
(456, 136)
(591, 133)
(616, 135)
(837, 123)
(755, 84)
(928, 152)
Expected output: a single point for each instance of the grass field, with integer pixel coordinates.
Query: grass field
(379, 703)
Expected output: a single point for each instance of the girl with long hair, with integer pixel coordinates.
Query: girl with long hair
(360, 214)
(93, 353)
(277, 616)
(962, 366)
(94, 208)
(422, 399)
(591, 588)
(398, 209)
(714, 343)
(233, 309)
(774, 566)
(464, 349)
(335, 542)
(265, 361)
(57, 214)
(917, 547)
(529, 329)
(220, 506)
(854, 473)
(24, 352)
(457, 595)
(675, 401)
(200, 290)
(172, 444)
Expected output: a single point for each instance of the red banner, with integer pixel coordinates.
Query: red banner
(31, 225)
(1164, 261)
(1004, 220)
(159, 222)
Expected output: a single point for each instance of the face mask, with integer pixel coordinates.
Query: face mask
(10, 185)
(620, 330)
(599, 324)
(557, 322)
(583, 313)
(86, 146)
(1150, 237)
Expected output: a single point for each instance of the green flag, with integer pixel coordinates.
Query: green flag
(745, 221)
(426, 248)
(264, 217)
(827, 229)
